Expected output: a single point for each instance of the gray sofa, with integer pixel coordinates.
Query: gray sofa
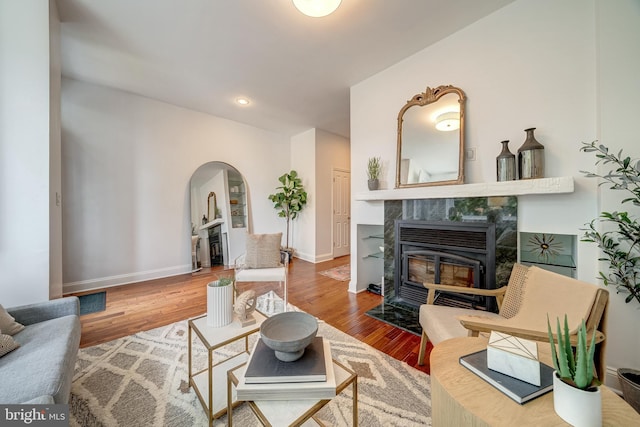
(41, 369)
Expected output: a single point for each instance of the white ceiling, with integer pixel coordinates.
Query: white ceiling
(297, 70)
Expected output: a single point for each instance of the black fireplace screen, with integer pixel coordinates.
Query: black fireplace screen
(448, 253)
(443, 268)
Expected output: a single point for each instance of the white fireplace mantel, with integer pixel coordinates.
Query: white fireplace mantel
(556, 185)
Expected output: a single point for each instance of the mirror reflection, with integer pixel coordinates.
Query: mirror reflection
(431, 138)
(219, 215)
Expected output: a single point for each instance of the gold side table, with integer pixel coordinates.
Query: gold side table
(291, 412)
(210, 382)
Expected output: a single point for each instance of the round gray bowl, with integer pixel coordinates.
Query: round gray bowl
(288, 334)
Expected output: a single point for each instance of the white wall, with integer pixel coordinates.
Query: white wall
(302, 232)
(618, 35)
(314, 155)
(127, 163)
(332, 152)
(55, 160)
(530, 64)
(519, 67)
(24, 152)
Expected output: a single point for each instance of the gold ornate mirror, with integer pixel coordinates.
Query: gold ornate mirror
(431, 139)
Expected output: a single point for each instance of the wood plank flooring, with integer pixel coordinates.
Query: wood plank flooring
(146, 305)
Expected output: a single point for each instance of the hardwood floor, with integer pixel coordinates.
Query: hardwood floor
(147, 305)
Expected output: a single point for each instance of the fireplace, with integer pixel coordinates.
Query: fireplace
(468, 241)
(445, 252)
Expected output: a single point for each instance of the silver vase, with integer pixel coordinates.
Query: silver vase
(506, 163)
(531, 157)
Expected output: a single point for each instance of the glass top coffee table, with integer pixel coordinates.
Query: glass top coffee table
(291, 412)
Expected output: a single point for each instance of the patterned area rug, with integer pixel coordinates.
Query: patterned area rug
(342, 273)
(141, 380)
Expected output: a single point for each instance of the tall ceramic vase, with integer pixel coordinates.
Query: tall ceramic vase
(580, 408)
(219, 304)
(506, 163)
(531, 157)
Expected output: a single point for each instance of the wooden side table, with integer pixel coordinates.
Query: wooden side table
(460, 397)
(293, 412)
(210, 383)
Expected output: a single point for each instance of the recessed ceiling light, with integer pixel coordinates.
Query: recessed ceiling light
(316, 8)
(242, 101)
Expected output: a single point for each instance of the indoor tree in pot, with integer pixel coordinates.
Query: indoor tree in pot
(621, 244)
(373, 172)
(576, 395)
(289, 200)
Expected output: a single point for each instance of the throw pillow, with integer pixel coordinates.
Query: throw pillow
(8, 324)
(263, 250)
(7, 344)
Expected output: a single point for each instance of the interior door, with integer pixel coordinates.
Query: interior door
(341, 212)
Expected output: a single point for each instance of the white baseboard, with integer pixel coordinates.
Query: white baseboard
(315, 259)
(611, 380)
(123, 279)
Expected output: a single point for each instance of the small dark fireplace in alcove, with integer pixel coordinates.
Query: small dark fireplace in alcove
(464, 240)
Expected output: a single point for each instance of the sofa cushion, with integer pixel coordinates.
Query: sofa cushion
(8, 324)
(263, 250)
(7, 344)
(44, 362)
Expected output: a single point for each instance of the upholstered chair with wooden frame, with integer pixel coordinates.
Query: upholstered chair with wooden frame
(531, 295)
(263, 262)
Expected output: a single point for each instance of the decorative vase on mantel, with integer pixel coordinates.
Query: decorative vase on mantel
(373, 184)
(220, 302)
(506, 164)
(531, 157)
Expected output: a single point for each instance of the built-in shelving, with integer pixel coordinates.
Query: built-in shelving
(554, 252)
(237, 203)
(556, 185)
(371, 265)
(378, 253)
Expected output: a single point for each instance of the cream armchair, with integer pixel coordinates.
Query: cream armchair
(264, 262)
(524, 304)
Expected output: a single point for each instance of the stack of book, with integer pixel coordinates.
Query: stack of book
(516, 389)
(264, 377)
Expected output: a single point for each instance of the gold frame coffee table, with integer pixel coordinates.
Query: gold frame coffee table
(291, 412)
(209, 383)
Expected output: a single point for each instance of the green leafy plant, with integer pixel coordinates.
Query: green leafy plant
(621, 246)
(374, 167)
(223, 281)
(576, 368)
(290, 199)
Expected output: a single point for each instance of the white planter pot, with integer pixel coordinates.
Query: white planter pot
(579, 408)
(219, 305)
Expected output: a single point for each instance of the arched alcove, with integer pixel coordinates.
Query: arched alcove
(219, 213)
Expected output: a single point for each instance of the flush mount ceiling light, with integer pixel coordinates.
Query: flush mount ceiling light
(316, 8)
(242, 101)
(448, 121)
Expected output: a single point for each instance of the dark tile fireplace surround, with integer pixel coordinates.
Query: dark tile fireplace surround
(461, 241)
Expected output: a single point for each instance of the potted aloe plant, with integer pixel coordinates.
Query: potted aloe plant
(620, 244)
(576, 395)
(374, 168)
(220, 302)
